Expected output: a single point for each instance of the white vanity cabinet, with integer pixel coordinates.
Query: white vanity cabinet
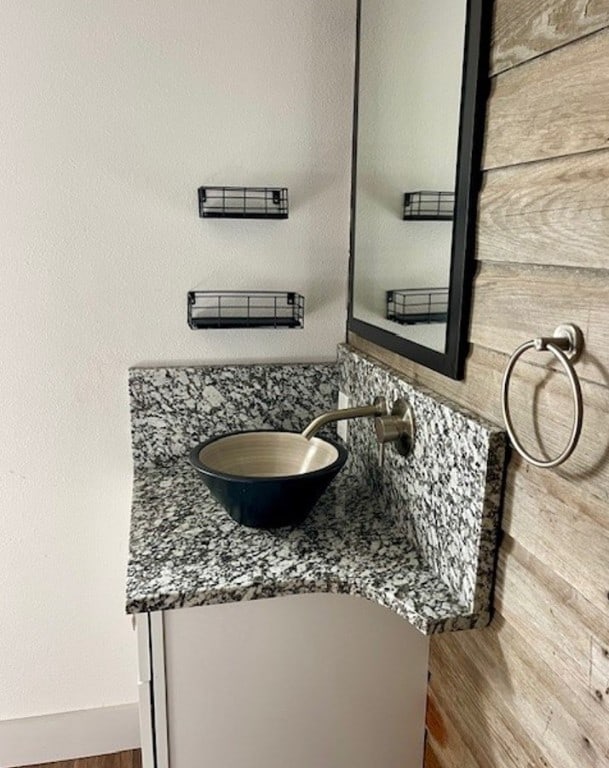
(309, 681)
(273, 669)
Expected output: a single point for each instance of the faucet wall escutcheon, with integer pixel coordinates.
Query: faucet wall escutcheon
(397, 427)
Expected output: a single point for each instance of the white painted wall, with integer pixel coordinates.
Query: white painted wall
(410, 91)
(113, 113)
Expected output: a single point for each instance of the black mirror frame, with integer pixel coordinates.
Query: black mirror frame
(475, 88)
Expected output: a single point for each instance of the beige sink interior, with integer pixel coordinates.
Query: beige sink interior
(267, 454)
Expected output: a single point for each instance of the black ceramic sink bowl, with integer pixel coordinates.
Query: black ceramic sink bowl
(268, 479)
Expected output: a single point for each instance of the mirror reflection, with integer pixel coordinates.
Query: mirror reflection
(410, 69)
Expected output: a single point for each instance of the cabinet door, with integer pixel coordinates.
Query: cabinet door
(311, 681)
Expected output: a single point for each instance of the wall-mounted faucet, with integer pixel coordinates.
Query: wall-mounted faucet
(391, 425)
(378, 408)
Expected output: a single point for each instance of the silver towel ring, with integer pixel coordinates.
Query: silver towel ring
(566, 345)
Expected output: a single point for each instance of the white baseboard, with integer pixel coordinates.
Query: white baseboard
(68, 735)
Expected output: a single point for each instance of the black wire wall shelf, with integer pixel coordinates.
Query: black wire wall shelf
(410, 306)
(429, 206)
(243, 202)
(245, 309)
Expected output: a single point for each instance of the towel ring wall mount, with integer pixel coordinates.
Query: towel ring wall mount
(566, 345)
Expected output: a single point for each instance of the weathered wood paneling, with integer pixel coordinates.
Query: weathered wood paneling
(446, 733)
(523, 30)
(532, 690)
(562, 628)
(552, 106)
(533, 214)
(494, 737)
(515, 302)
(431, 761)
(515, 681)
(564, 528)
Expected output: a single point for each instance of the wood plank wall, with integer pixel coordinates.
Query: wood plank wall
(532, 690)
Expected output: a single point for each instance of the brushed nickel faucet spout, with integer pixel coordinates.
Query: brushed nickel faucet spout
(379, 408)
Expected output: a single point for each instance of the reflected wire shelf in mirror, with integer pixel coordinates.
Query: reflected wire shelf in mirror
(245, 309)
(417, 305)
(429, 206)
(243, 202)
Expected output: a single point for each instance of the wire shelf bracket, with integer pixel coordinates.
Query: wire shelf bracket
(428, 206)
(243, 202)
(244, 309)
(409, 306)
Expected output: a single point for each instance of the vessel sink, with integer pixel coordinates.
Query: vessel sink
(268, 479)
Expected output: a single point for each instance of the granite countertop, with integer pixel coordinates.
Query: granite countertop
(185, 550)
(417, 535)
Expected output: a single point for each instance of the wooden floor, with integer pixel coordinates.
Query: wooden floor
(130, 759)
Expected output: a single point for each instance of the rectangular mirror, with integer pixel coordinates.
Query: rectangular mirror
(421, 84)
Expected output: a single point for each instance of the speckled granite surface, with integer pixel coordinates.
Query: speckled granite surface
(174, 409)
(447, 492)
(417, 536)
(186, 550)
